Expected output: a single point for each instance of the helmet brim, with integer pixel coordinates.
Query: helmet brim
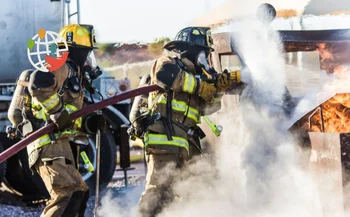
(184, 45)
(78, 46)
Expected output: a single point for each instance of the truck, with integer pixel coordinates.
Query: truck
(20, 21)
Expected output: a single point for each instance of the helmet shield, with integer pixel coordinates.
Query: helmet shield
(91, 61)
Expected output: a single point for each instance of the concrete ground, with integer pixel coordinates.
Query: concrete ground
(115, 191)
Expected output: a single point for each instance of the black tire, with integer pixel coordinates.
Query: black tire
(19, 178)
(3, 166)
(108, 162)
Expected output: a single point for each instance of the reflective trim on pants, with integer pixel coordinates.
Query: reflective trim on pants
(162, 139)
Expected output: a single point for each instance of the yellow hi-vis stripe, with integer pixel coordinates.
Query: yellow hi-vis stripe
(181, 106)
(189, 83)
(71, 108)
(162, 139)
(45, 139)
(40, 115)
(51, 102)
(35, 104)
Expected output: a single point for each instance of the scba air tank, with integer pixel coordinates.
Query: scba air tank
(15, 110)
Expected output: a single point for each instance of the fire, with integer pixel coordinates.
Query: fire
(333, 55)
(332, 115)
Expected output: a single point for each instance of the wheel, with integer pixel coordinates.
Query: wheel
(19, 178)
(3, 166)
(108, 161)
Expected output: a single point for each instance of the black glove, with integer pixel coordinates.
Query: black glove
(62, 119)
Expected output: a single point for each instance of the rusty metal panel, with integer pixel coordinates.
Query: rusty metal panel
(19, 21)
(309, 36)
(326, 169)
(222, 43)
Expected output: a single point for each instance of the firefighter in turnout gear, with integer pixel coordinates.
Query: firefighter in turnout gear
(172, 137)
(53, 96)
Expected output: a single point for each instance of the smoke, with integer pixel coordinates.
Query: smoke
(120, 204)
(256, 169)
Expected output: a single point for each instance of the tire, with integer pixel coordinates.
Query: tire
(108, 162)
(19, 178)
(3, 166)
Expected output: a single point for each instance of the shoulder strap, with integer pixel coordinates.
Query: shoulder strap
(180, 64)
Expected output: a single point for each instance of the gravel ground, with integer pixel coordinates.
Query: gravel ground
(11, 205)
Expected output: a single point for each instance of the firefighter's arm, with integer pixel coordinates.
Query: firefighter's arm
(170, 75)
(44, 87)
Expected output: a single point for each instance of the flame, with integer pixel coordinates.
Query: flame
(333, 55)
(333, 115)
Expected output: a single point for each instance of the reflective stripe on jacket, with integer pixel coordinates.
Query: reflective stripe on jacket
(45, 139)
(181, 106)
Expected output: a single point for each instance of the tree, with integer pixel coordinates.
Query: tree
(156, 47)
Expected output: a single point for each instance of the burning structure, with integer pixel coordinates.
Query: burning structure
(315, 42)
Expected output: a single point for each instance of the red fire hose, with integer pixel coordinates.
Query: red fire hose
(84, 111)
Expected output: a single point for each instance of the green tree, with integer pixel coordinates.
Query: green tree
(156, 47)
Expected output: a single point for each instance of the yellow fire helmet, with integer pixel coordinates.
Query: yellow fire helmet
(79, 35)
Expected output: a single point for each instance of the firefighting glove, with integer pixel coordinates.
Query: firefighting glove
(225, 80)
(61, 119)
(206, 91)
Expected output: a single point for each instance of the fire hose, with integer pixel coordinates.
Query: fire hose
(84, 111)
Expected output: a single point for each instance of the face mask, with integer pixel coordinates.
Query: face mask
(91, 66)
(91, 61)
(202, 61)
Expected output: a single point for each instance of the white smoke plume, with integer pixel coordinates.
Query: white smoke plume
(256, 171)
(256, 168)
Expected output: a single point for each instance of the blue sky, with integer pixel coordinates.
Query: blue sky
(141, 20)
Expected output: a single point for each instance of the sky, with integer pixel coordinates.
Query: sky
(141, 20)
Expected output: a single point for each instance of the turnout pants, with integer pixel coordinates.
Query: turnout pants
(163, 169)
(68, 191)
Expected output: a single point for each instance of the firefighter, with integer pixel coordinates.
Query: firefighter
(171, 137)
(54, 96)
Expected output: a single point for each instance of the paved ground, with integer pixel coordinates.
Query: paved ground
(116, 190)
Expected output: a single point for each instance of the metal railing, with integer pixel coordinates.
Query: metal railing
(67, 14)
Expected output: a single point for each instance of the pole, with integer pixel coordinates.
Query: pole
(82, 112)
(63, 13)
(97, 190)
(78, 11)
